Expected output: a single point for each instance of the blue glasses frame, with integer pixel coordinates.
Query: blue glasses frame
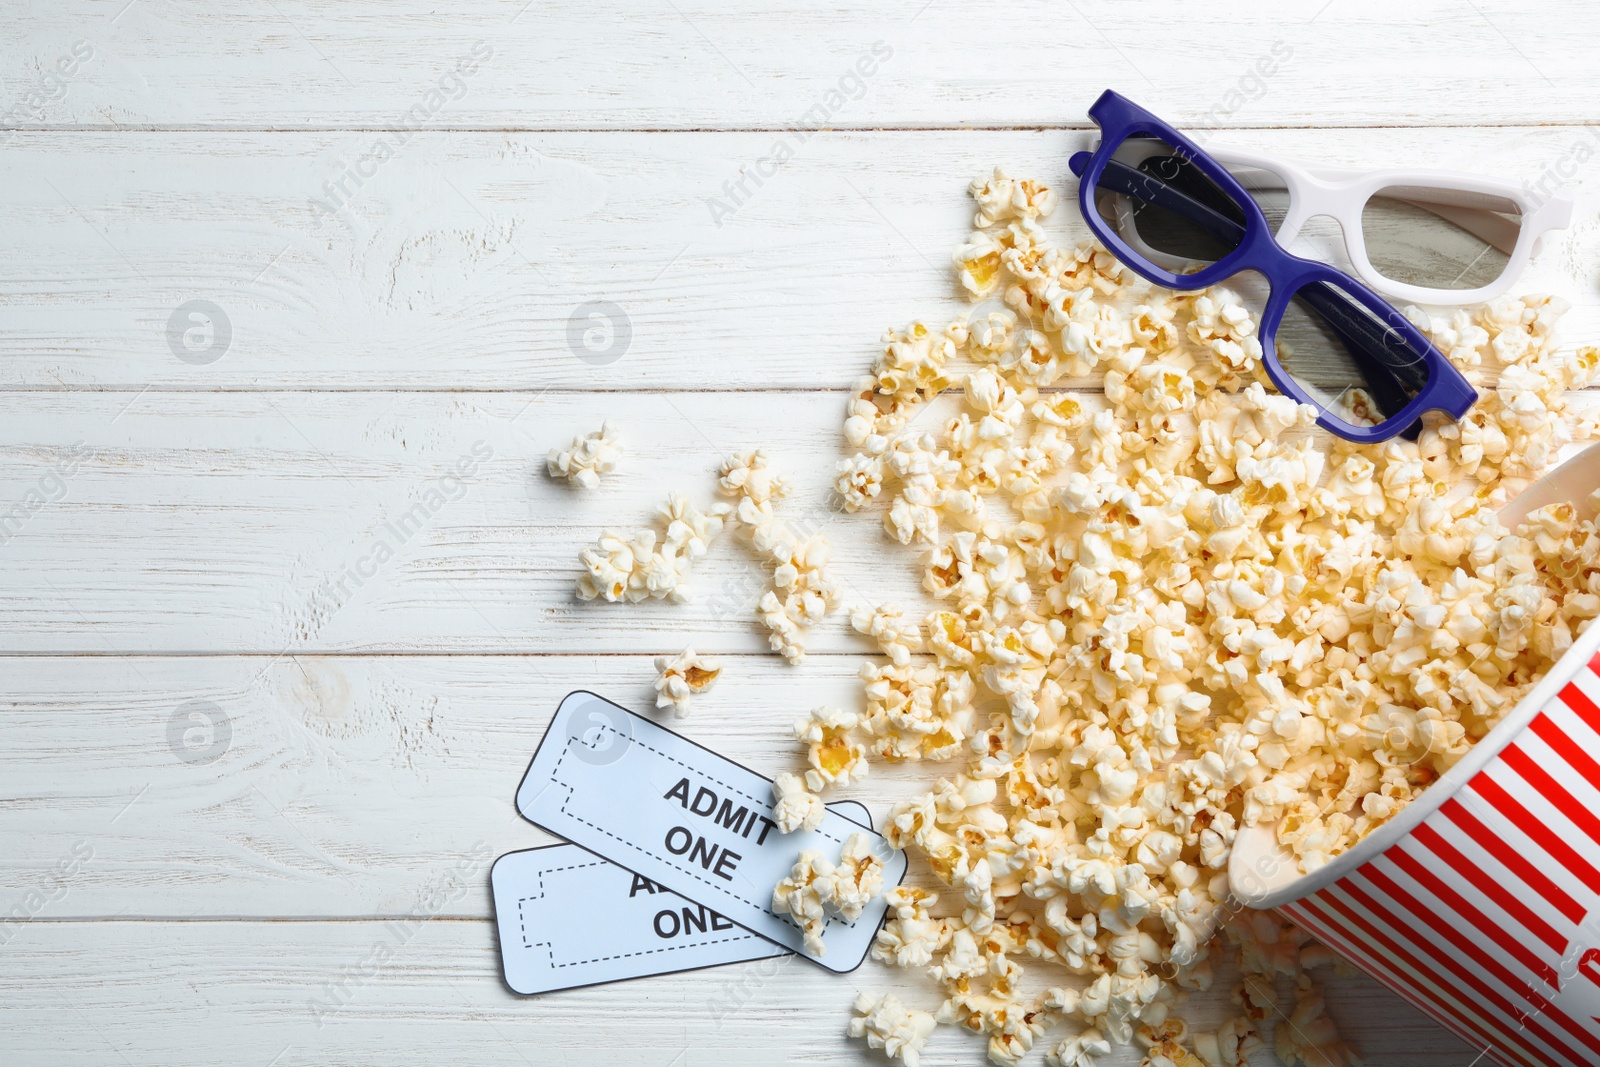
(1384, 342)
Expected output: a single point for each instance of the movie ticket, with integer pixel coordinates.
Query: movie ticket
(686, 818)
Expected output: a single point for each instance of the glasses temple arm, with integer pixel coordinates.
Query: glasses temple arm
(1484, 225)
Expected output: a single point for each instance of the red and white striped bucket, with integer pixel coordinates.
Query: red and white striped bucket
(1480, 903)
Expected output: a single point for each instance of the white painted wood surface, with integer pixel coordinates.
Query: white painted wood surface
(231, 992)
(562, 64)
(376, 737)
(457, 265)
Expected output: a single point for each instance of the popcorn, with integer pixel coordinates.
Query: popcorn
(650, 564)
(794, 807)
(799, 897)
(687, 530)
(803, 591)
(1003, 197)
(587, 458)
(891, 1026)
(911, 937)
(1162, 615)
(916, 712)
(1164, 1045)
(682, 676)
(1082, 1050)
(860, 480)
(897, 636)
(835, 756)
(850, 886)
(1232, 1044)
(1308, 1036)
(747, 475)
(614, 566)
(785, 621)
(978, 264)
(816, 888)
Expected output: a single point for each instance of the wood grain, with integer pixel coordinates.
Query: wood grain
(237, 522)
(227, 992)
(339, 786)
(196, 512)
(462, 261)
(305, 522)
(557, 64)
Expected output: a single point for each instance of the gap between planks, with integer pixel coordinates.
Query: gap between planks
(422, 654)
(1050, 127)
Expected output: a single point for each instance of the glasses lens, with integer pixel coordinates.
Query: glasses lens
(1268, 189)
(1165, 207)
(1439, 238)
(1346, 356)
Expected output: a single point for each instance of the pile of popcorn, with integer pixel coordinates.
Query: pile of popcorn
(1169, 608)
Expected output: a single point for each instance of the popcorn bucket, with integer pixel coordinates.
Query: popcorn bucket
(1480, 903)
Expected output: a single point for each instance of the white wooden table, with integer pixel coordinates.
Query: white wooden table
(184, 518)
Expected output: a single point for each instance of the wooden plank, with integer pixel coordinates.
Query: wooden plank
(309, 786)
(306, 522)
(272, 522)
(718, 63)
(230, 992)
(463, 262)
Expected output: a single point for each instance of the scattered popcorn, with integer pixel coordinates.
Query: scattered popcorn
(1169, 612)
(803, 591)
(682, 676)
(587, 458)
(794, 807)
(650, 564)
(1163, 613)
(891, 1026)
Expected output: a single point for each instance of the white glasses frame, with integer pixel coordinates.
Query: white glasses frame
(1341, 193)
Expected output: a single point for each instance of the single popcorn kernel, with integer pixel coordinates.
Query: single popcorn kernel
(682, 676)
(890, 1025)
(587, 458)
(855, 881)
(798, 897)
(835, 756)
(794, 807)
(979, 264)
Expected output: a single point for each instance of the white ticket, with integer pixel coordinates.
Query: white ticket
(568, 918)
(684, 817)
